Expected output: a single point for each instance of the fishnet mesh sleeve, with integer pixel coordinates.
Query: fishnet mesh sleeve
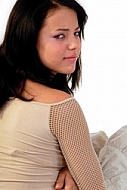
(68, 124)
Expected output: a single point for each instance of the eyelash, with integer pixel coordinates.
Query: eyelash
(61, 36)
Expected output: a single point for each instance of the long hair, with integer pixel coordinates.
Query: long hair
(19, 58)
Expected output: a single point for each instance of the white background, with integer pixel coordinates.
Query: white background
(103, 94)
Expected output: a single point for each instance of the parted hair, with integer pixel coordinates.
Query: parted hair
(19, 58)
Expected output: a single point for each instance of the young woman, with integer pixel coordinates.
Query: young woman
(42, 127)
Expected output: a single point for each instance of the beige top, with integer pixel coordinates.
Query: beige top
(32, 135)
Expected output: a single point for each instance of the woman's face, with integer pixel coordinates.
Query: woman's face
(58, 42)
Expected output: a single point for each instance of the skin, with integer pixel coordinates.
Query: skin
(58, 42)
(65, 180)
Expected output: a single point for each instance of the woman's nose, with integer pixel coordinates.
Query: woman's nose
(74, 43)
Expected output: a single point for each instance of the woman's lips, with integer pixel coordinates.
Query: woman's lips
(72, 58)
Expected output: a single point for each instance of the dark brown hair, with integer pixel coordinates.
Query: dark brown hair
(19, 58)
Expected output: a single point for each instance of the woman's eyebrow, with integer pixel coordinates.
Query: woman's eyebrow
(66, 29)
(77, 28)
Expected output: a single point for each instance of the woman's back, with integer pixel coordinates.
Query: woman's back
(35, 136)
(29, 154)
(30, 157)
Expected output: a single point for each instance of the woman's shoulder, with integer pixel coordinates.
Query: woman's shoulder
(44, 94)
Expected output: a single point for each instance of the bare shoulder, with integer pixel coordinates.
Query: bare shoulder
(49, 95)
(44, 94)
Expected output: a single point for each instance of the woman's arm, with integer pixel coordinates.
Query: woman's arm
(68, 124)
(65, 180)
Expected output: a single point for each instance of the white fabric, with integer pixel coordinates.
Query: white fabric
(98, 140)
(113, 159)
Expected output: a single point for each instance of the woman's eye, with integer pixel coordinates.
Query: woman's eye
(59, 36)
(77, 33)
